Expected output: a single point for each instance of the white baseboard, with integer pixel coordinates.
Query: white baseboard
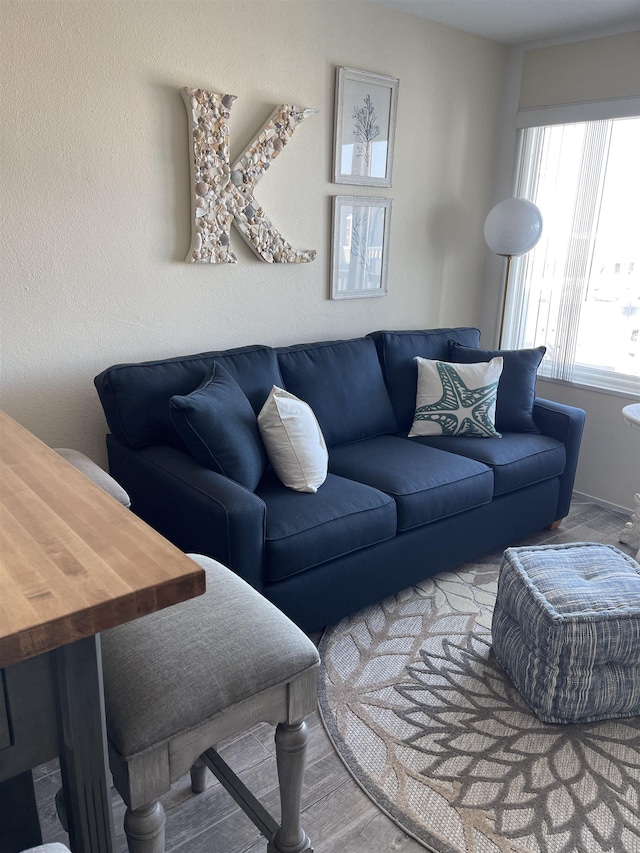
(619, 510)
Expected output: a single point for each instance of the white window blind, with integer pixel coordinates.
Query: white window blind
(578, 291)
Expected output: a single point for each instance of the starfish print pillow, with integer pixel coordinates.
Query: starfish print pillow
(456, 399)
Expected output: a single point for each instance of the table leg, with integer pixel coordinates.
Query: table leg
(83, 746)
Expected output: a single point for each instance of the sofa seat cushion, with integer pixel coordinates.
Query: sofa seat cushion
(517, 459)
(425, 483)
(305, 529)
(342, 382)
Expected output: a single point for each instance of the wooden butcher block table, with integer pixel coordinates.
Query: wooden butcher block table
(73, 562)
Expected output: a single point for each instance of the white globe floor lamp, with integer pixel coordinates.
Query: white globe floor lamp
(512, 228)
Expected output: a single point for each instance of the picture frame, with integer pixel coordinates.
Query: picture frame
(360, 246)
(365, 120)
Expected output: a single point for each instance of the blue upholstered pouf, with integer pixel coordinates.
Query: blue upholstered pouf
(566, 628)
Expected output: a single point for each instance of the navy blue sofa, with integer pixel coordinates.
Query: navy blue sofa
(393, 510)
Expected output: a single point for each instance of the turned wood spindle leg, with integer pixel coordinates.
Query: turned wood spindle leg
(291, 747)
(144, 828)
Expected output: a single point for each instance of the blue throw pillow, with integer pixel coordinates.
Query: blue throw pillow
(517, 386)
(218, 425)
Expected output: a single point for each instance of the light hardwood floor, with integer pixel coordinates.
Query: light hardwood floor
(338, 817)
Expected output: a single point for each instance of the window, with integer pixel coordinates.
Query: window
(578, 291)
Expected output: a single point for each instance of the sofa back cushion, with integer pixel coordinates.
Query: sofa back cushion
(397, 351)
(135, 397)
(342, 382)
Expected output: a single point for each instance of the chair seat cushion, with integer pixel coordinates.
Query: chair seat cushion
(304, 530)
(566, 628)
(174, 669)
(517, 459)
(425, 483)
(48, 848)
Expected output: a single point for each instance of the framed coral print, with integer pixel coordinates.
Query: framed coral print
(360, 251)
(364, 128)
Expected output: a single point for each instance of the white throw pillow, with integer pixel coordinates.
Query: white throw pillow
(294, 441)
(456, 399)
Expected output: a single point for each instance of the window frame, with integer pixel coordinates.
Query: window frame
(598, 379)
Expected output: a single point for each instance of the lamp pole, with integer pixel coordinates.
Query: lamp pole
(512, 227)
(504, 298)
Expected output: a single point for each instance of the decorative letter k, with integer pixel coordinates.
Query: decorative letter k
(221, 193)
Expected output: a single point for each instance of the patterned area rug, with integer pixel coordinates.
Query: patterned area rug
(435, 733)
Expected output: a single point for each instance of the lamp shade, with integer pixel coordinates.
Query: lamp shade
(513, 227)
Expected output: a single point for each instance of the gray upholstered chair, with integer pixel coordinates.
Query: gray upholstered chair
(94, 472)
(178, 681)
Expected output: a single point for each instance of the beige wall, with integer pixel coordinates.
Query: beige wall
(590, 70)
(609, 464)
(95, 185)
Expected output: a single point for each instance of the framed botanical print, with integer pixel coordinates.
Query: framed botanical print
(360, 250)
(365, 122)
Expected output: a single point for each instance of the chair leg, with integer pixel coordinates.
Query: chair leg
(291, 747)
(144, 828)
(199, 776)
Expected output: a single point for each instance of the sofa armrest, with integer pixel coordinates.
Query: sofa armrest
(198, 510)
(564, 423)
